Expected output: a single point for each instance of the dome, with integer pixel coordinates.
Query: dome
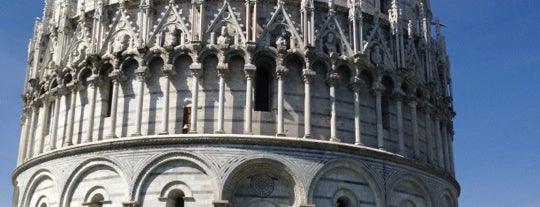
(237, 103)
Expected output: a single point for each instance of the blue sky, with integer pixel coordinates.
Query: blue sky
(494, 46)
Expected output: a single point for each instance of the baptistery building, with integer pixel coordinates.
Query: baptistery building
(237, 103)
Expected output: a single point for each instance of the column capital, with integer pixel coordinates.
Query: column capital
(377, 88)
(168, 70)
(281, 72)
(75, 86)
(196, 69)
(222, 69)
(249, 70)
(36, 104)
(398, 94)
(357, 84)
(308, 75)
(117, 76)
(426, 107)
(47, 98)
(412, 101)
(142, 73)
(332, 79)
(95, 81)
(59, 90)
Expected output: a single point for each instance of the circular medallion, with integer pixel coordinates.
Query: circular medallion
(262, 185)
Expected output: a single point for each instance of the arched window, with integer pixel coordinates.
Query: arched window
(343, 202)
(175, 198)
(97, 200)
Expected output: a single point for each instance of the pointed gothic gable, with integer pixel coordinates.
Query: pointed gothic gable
(331, 28)
(228, 18)
(122, 24)
(280, 20)
(376, 41)
(82, 38)
(412, 60)
(172, 16)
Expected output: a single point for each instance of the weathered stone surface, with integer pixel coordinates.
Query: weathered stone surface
(143, 103)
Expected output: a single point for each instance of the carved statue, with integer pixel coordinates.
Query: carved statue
(120, 43)
(78, 55)
(99, 10)
(223, 38)
(170, 36)
(376, 57)
(330, 44)
(281, 42)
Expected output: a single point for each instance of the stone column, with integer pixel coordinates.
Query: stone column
(196, 72)
(398, 96)
(356, 86)
(32, 134)
(445, 148)
(58, 92)
(281, 73)
(414, 124)
(332, 81)
(73, 87)
(307, 77)
(378, 90)
(249, 70)
(169, 73)
(426, 109)
(451, 152)
(24, 135)
(438, 137)
(222, 70)
(115, 76)
(141, 78)
(43, 120)
(92, 83)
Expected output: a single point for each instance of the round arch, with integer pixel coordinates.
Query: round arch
(82, 169)
(447, 199)
(160, 160)
(412, 181)
(36, 179)
(261, 167)
(357, 168)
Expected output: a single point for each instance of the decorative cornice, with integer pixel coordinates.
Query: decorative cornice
(232, 140)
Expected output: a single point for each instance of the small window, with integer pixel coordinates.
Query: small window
(343, 202)
(175, 198)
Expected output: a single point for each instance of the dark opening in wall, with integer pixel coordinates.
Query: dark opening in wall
(186, 122)
(109, 87)
(175, 198)
(343, 202)
(263, 84)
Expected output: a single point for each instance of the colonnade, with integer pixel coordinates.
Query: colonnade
(437, 135)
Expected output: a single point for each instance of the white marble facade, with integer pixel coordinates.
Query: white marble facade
(237, 103)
